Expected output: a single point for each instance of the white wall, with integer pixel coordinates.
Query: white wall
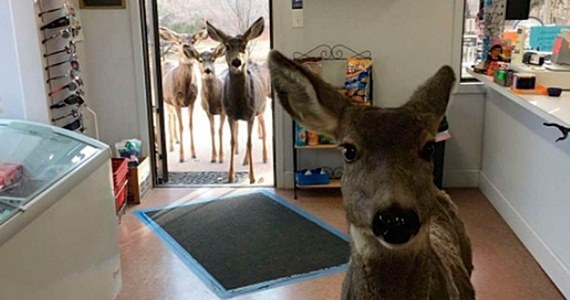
(114, 72)
(409, 39)
(22, 90)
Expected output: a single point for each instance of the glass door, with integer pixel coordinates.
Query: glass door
(153, 78)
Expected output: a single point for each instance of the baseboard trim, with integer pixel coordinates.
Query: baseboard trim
(552, 265)
(460, 178)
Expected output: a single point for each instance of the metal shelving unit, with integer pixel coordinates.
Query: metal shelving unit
(326, 53)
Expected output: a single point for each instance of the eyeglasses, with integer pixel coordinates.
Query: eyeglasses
(72, 74)
(69, 10)
(69, 49)
(74, 99)
(59, 22)
(72, 61)
(71, 86)
(64, 33)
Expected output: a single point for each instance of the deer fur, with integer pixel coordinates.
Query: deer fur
(407, 240)
(179, 86)
(211, 96)
(245, 89)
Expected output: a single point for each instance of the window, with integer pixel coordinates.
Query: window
(542, 12)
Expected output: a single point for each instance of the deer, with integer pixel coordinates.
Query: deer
(407, 240)
(245, 90)
(179, 86)
(211, 95)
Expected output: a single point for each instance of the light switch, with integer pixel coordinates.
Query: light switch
(297, 18)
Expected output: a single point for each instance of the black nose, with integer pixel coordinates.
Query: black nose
(208, 71)
(396, 225)
(236, 63)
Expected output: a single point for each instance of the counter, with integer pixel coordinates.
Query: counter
(525, 173)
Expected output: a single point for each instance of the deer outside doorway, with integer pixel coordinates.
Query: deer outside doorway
(191, 119)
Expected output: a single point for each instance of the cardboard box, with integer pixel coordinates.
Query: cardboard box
(139, 181)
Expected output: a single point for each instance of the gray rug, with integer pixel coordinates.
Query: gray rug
(205, 177)
(247, 242)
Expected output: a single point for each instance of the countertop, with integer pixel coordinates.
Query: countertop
(551, 109)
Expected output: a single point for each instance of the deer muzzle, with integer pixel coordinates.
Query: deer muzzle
(396, 225)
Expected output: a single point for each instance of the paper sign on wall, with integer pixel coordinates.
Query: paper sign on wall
(542, 37)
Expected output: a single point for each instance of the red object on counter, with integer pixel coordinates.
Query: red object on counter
(10, 174)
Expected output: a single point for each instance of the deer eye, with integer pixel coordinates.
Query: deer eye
(427, 151)
(349, 152)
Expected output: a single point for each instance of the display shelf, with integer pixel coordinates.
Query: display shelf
(316, 147)
(334, 184)
(328, 53)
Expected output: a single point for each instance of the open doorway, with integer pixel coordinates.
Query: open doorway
(184, 64)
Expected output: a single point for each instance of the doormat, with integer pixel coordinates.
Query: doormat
(250, 241)
(205, 177)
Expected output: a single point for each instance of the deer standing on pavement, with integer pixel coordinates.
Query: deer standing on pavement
(245, 89)
(179, 85)
(407, 240)
(211, 95)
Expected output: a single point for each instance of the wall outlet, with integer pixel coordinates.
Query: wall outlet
(297, 20)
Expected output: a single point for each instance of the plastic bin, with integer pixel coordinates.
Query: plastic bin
(120, 171)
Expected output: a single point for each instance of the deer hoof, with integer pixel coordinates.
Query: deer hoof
(252, 180)
(194, 156)
(396, 225)
(182, 160)
(221, 161)
(213, 160)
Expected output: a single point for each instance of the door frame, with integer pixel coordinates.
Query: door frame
(152, 111)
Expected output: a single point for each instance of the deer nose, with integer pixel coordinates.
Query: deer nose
(236, 63)
(396, 225)
(208, 71)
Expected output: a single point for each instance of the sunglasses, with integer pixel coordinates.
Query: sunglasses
(72, 61)
(59, 22)
(69, 10)
(75, 113)
(72, 86)
(74, 99)
(75, 125)
(72, 74)
(64, 33)
(69, 49)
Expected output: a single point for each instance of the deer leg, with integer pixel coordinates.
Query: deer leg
(249, 148)
(261, 120)
(213, 135)
(171, 129)
(190, 114)
(221, 134)
(181, 129)
(233, 124)
(260, 129)
(237, 135)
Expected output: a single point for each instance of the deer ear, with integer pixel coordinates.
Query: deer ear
(429, 101)
(169, 35)
(190, 52)
(215, 34)
(198, 36)
(255, 30)
(307, 98)
(220, 50)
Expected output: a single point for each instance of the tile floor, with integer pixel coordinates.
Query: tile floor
(504, 269)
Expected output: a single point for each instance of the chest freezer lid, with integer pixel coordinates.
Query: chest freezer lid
(35, 156)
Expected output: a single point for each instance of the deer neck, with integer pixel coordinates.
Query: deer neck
(387, 272)
(239, 85)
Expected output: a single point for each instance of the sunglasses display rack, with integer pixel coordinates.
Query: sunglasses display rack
(60, 34)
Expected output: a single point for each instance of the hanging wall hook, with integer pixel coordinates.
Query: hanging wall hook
(564, 130)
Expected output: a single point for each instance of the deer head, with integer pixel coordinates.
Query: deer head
(184, 42)
(207, 59)
(387, 184)
(236, 54)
